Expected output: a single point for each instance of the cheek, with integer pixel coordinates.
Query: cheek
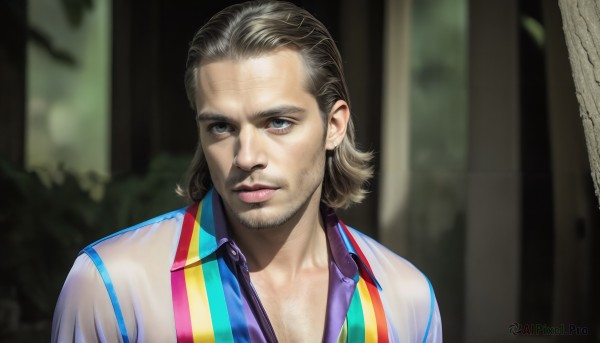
(217, 160)
(304, 154)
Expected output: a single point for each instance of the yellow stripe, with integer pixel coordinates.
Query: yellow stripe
(196, 292)
(368, 312)
(194, 250)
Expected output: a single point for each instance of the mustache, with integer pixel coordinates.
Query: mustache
(235, 179)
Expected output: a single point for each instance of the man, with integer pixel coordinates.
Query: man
(260, 255)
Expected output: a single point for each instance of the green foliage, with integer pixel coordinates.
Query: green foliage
(45, 225)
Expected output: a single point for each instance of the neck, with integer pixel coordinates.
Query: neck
(282, 252)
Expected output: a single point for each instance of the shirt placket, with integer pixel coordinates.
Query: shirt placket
(250, 293)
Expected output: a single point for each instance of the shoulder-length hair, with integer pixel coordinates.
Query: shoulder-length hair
(257, 27)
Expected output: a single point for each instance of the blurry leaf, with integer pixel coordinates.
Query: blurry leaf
(535, 30)
(75, 10)
(44, 42)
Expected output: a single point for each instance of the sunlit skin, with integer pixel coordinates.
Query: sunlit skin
(265, 143)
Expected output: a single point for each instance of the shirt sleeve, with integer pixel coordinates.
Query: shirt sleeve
(434, 331)
(84, 312)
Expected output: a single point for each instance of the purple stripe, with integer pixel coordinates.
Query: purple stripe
(254, 330)
(341, 289)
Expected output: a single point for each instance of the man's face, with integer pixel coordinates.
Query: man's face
(262, 136)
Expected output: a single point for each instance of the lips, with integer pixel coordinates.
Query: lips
(255, 193)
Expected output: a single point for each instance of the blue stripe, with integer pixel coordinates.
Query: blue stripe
(431, 308)
(235, 304)
(208, 240)
(111, 290)
(352, 250)
(347, 242)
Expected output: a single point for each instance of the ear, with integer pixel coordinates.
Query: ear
(337, 122)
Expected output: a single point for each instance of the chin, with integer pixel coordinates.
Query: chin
(261, 218)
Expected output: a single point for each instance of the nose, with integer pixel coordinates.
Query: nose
(250, 151)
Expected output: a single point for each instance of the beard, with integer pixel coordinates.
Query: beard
(264, 222)
(267, 216)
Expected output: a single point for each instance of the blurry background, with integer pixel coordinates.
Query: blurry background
(482, 175)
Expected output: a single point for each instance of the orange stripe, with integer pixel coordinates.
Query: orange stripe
(382, 331)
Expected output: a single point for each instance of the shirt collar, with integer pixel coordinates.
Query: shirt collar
(203, 231)
(340, 253)
(208, 221)
(346, 252)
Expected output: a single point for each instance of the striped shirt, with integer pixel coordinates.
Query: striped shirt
(180, 277)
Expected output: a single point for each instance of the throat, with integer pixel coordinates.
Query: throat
(281, 255)
(296, 308)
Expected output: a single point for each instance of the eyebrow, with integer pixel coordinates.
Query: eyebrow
(272, 112)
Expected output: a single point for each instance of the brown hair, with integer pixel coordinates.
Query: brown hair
(258, 27)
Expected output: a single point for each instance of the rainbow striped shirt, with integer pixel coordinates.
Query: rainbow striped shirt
(179, 277)
(215, 302)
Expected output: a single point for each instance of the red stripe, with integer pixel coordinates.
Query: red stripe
(382, 331)
(181, 307)
(357, 248)
(186, 236)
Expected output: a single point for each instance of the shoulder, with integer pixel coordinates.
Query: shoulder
(136, 243)
(147, 243)
(142, 252)
(408, 295)
(112, 279)
(385, 262)
(144, 233)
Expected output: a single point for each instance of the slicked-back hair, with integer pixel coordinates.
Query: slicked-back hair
(255, 28)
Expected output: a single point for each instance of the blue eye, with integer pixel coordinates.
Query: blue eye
(219, 128)
(279, 123)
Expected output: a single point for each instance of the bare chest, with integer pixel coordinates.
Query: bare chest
(296, 310)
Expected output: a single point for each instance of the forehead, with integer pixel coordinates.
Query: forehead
(281, 73)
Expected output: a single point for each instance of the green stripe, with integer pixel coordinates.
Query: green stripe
(216, 301)
(356, 319)
(212, 276)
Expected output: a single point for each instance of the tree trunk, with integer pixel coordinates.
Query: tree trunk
(581, 24)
